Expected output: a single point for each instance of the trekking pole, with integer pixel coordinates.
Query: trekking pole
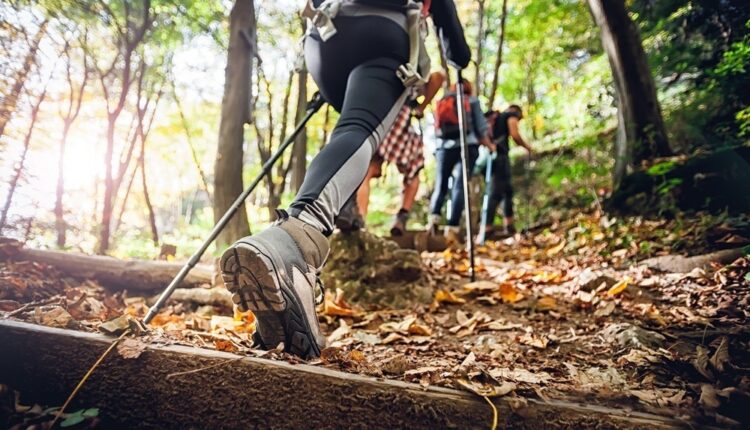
(465, 169)
(486, 217)
(315, 103)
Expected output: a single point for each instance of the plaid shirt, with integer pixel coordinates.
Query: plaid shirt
(403, 146)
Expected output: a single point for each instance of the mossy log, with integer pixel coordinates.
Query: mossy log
(715, 182)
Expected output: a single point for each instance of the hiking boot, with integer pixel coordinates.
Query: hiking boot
(349, 218)
(510, 230)
(433, 225)
(399, 224)
(275, 274)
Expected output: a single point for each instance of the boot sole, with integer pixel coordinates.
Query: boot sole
(254, 280)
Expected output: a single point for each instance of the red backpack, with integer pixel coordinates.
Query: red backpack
(446, 116)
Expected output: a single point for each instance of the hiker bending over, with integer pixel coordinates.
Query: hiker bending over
(353, 51)
(448, 157)
(404, 147)
(502, 125)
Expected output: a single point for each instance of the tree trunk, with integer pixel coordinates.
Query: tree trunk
(642, 136)
(144, 184)
(480, 47)
(235, 113)
(189, 137)
(10, 100)
(13, 183)
(104, 227)
(59, 216)
(498, 57)
(299, 150)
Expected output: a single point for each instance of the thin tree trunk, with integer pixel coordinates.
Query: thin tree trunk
(125, 198)
(642, 136)
(144, 184)
(13, 183)
(129, 44)
(478, 84)
(189, 136)
(75, 100)
(498, 57)
(299, 151)
(235, 112)
(10, 100)
(60, 189)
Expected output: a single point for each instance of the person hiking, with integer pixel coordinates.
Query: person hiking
(503, 125)
(360, 54)
(448, 157)
(404, 147)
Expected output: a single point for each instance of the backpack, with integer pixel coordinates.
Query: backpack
(491, 117)
(446, 116)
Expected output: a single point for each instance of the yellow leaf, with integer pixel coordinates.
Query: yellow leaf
(442, 296)
(337, 306)
(546, 303)
(420, 330)
(556, 249)
(508, 293)
(619, 287)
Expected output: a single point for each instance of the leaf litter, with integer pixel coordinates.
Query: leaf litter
(567, 313)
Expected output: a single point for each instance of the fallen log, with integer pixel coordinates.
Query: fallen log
(116, 274)
(183, 387)
(683, 264)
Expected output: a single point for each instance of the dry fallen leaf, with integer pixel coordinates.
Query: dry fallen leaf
(539, 342)
(521, 375)
(480, 286)
(619, 287)
(508, 293)
(487, 390)
(442, 296)
(337, 306)
(556, 249)
(225, 345)
(130, 348)
(546, 303)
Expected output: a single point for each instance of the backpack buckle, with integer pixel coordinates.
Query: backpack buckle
(408, 75)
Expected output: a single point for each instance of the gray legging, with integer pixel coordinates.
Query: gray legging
(356, 73)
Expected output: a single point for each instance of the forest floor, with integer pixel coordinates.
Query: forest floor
(570, 312)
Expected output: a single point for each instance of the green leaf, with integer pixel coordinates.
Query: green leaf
(91, 413)
(661, 168)
(73, 419)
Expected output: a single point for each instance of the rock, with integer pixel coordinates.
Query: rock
(589, 280)
(628, 335)
(375, 271)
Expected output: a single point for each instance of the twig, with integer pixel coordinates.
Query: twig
(494, 413)
(86, 377)
(28, 306)
(187, 372)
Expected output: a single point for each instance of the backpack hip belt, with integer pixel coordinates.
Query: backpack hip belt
(322, 19)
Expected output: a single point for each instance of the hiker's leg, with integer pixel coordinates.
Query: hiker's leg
(445, 161)
(372, 99)
(457, 198)
(410, 193)
(506, 190)
(363, 193)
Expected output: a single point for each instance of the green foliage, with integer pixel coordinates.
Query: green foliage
(79, 416)
(698, 51)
